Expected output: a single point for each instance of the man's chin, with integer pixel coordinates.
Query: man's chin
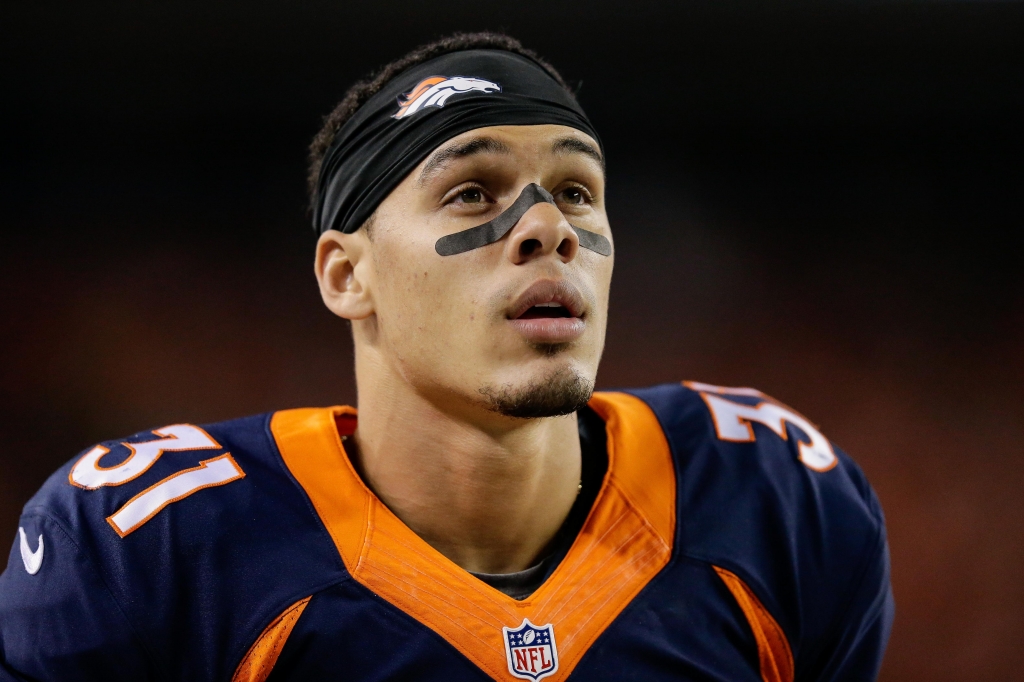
(558, 393)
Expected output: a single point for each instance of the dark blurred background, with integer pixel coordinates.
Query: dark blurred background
(822, 200)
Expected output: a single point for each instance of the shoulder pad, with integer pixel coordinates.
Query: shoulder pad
(763, 494)
(196, 530)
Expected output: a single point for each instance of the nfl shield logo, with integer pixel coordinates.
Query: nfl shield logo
(531, 650)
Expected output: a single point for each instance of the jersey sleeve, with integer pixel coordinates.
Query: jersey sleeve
(60, 621)
(857, 644)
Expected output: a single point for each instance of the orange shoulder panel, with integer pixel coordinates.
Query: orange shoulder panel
(624, 543)
(262, 656)
(772, 646)
(643, 462)
(311, 445)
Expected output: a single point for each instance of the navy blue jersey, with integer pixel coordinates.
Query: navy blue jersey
(729, 541)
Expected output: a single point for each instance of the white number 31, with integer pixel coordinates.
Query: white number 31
(87, 473)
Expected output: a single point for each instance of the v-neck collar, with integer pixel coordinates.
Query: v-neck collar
(626, 540)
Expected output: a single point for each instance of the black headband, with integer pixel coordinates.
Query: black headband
(422, 108)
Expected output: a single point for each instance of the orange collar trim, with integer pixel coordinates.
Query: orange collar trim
(625, 542)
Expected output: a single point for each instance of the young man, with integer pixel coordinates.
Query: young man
(484, 516)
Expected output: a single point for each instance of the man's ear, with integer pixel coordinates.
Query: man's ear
(344, 274)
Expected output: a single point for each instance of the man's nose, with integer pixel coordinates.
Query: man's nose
(542, 230)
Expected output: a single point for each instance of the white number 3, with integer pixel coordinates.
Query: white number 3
(87, 473)
(733, 420)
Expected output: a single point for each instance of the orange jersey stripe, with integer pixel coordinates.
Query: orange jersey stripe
(772, 646)
(261, 657)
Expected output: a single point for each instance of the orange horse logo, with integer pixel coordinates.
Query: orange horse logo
(436, 90)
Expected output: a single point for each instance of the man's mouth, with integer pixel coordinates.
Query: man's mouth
(549, 312)
(545, 310)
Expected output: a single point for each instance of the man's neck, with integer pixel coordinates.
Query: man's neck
(489, 493)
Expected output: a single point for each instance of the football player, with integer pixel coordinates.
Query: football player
(484, 514)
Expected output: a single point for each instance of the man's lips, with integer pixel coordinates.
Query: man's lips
(549, 312)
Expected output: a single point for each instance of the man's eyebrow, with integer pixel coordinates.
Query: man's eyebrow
(481, 145)
(574, 145)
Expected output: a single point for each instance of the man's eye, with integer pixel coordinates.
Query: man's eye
(573, 195)
(471, 195)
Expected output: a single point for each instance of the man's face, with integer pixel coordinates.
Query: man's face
(518, 325)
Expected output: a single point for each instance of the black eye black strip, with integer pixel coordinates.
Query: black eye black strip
(493, 230)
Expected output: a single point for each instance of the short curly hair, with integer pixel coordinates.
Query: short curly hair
(359, 93)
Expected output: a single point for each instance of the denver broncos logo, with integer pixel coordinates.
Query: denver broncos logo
(435, 91)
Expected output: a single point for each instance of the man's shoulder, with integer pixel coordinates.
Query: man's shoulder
(117, 487)
(180, 496)
(763, 494)
(173, 532)
(731, 444)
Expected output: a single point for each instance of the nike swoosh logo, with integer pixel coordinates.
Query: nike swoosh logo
(32, 560)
